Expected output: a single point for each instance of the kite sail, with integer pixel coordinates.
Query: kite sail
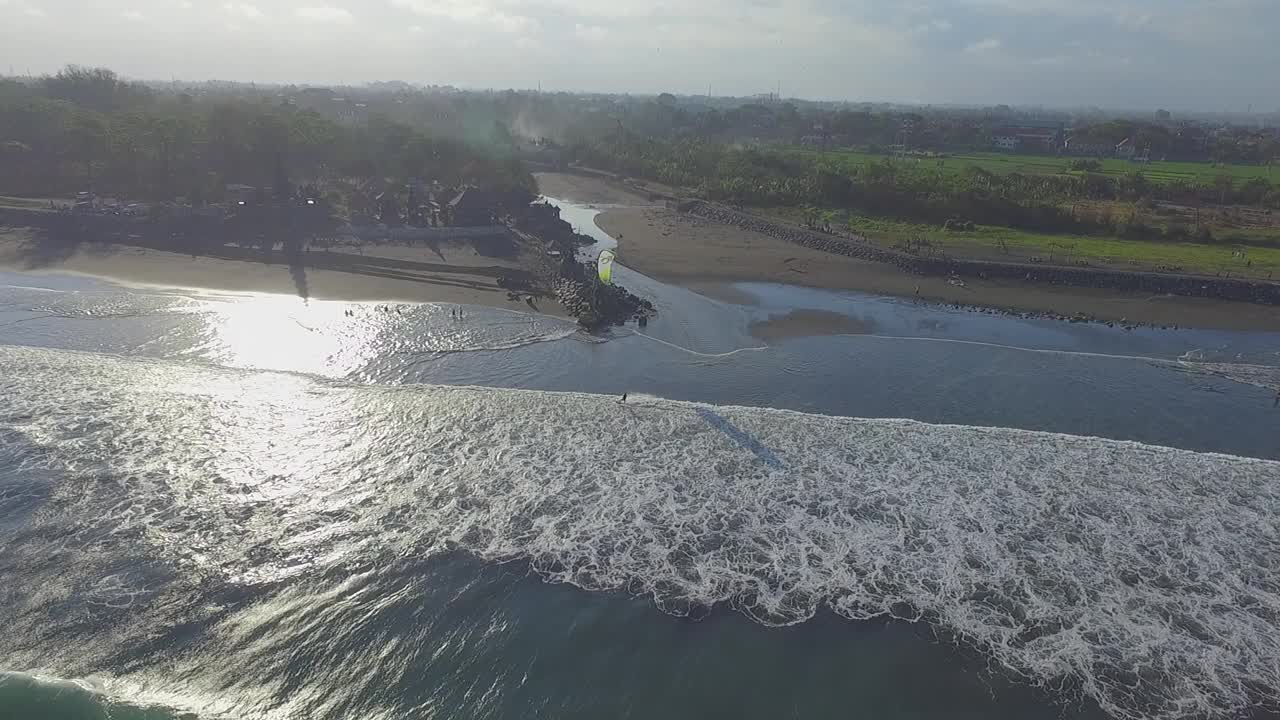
(605, 264)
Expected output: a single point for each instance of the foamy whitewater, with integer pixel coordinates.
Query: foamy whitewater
(1144, 578)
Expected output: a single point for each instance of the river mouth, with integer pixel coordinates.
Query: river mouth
(243, 506)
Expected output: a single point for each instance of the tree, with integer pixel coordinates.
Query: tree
(94, 88)
(87, 142)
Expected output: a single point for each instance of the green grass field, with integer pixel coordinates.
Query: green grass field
(1003, 164)
(1000, 243)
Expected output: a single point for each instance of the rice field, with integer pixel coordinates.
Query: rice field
(988, 242)
(1003, 164)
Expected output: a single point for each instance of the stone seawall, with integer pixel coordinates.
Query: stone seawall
(1239, 290)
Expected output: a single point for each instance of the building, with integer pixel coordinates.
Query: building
(238, 194)
(1081, 148)
(1031, 136)
(471, 208)
(1008, 142)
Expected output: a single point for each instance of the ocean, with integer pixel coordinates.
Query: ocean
(252, 506)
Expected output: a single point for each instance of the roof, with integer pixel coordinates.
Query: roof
(1041, 124)
(1043, 133)
(471, 199)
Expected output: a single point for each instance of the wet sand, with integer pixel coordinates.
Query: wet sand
(454, 274)
(807, 323)
(708, 257)
(589, 190)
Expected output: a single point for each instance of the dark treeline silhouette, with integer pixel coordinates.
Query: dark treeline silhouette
(87, 129)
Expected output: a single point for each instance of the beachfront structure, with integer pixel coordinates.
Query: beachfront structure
(472, 207)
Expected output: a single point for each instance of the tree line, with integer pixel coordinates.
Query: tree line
(87, 129)
(912, 191)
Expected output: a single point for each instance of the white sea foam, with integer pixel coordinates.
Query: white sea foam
(1143, 577)
(1263, 376)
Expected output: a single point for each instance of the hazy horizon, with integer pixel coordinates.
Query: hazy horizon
(1176, 54)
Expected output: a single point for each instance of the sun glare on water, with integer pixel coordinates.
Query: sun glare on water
(280, 332)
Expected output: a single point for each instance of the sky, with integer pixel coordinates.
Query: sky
(1214, 55)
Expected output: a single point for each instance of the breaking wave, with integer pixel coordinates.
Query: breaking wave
(1142, 577)
(1259, 371)
(26, 695)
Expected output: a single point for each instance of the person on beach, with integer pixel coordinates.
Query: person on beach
(1276, 404)
(623, 399)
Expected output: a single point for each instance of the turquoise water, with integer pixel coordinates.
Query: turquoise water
(252, 507)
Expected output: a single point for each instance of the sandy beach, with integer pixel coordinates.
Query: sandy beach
(452, 272)
(710, 257)
(589, 190)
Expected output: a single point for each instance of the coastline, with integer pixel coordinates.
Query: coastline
(450, 272)
(709, 257)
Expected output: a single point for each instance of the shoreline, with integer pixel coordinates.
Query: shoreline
(450, 272)
(710, 257)
(588, 189)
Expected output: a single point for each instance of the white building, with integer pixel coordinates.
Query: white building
(1006, 142)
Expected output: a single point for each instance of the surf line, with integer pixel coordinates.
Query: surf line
(999, 346)
(908, 338)
(695, 352)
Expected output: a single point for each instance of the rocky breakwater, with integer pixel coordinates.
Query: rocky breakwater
(595, 304)
(1234, 289)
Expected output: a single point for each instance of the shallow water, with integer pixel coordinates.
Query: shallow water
(256, 507)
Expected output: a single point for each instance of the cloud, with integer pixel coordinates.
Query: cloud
(590, 33)
(324, 14)
(244, 10)
(1167, 53)
(986, 45)
(469, 12)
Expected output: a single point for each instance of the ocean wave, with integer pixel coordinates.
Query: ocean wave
(1142, 577)
(29, 695)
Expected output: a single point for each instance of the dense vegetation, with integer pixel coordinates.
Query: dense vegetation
(86, 129)
(948, 130)
(920, 190)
